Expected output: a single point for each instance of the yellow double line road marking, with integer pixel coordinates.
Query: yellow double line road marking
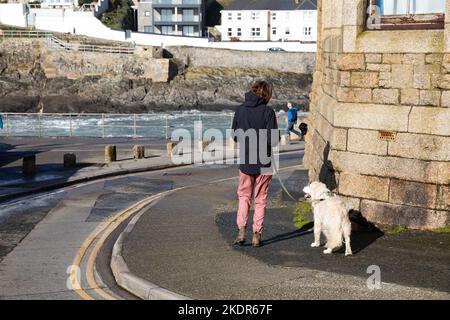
(104, 231)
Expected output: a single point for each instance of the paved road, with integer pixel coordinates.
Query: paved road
(182, 243)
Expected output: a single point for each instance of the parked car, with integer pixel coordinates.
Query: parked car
(276, 49)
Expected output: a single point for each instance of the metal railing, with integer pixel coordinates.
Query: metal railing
(100, 125)
(59, 44)
(24, 34)
(106, 125)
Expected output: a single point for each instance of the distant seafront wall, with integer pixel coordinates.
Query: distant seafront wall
(295, 62)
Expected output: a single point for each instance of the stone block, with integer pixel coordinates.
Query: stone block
(441, 81)
(413, 58)
(445, 100)
(419, 146)
(402, 76)
(368, 187)
(354, 95)
(374, 58)
(392, 58)
(364, 79)
(413, 193)
(386, 214)
(410, 96)
(430, 121)
(443, 201)
(430, 98)
(378, 67)
(434, 58)
(345, 79)
(366, 141)
(386, 96)
(371, 116)
(350, 62)
(422, 81)
(388, 166)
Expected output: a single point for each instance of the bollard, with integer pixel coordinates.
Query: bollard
(172, 148)
(203, 145)
(110, 154)
(29, 165)
(285, 140)
(70, 160)
(138, 152)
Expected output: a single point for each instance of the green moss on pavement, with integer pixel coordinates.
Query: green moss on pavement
(399, 229)
(301, 211)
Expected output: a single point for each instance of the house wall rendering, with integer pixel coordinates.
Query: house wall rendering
(289, 20)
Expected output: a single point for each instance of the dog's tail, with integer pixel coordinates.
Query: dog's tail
(334, 239)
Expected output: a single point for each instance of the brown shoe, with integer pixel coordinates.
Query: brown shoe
(240, 240)
(257, 239)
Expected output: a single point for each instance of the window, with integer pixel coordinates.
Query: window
(274, 16)
(230, 32)
(274, 31)
(148, 13)
(188, 15)
(239, 32)
(230, 16)
(406, 14)
(256, 32)
(148, 29)
(308, 15)
(188, 31)
(288, 31)
(239, 16)
(255, 15)
(307, 31)
(166, 15)
(167, 29)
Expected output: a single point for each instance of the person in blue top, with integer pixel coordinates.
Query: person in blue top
(1, 122)
(292, 120)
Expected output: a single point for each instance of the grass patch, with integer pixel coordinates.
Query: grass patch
(301, 211)
(441, 230)
(399, 229)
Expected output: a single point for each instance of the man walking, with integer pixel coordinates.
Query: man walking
(292, 120)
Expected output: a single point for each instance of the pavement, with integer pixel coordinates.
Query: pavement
(189, 251)
(57, 244)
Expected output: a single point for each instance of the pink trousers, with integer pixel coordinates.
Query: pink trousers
(258, 186)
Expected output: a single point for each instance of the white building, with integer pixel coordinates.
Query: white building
(59, 3)
(270, 20)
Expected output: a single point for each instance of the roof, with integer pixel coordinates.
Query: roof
(272, 5)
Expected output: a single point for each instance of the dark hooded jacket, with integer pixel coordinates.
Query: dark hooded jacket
(254, 114)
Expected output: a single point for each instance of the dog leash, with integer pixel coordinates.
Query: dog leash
(277, 174)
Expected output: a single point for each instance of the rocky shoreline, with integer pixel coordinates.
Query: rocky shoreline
(25, 86)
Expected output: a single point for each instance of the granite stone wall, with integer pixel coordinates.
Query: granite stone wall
(367, 84)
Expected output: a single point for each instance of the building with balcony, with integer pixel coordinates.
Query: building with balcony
(270, 20)
(172, 17)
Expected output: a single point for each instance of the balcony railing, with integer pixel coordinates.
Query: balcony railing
(176, 2)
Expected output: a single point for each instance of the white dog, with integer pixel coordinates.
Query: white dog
(330, 217)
